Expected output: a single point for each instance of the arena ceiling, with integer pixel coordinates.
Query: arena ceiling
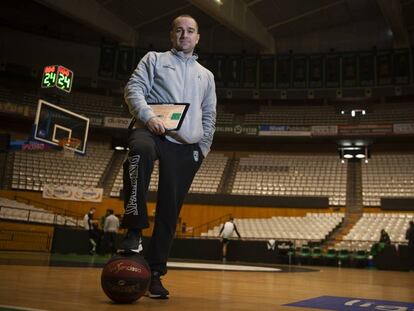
(231, 25)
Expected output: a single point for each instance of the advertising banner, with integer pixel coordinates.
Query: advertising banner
(284, 130)
(249, 71)
(237, 130)
(324, 130)
(365, 129)
(267, 72)
(384, 68)
(401, 66)
(284, 71)
(72, 193)
(403, 128)
(315, 73)
(366, 69)
(332, 70)
(300, 71)
(120, 123)
(107, 61)
(349, 70)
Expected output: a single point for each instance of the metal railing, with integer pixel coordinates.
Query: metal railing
(56, 209)
(196, 231)
(25, 240)
(31, 215)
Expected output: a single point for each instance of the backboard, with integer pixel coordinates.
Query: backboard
(54, 124)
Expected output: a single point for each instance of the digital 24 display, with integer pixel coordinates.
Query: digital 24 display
(57, 76)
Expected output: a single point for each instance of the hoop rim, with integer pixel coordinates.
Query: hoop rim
(69, 142)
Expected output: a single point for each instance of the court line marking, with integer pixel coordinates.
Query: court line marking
(19, 308)
(220, 267)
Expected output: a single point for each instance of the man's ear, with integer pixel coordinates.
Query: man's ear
(171, 37)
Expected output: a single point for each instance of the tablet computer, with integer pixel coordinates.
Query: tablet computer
(172, 114)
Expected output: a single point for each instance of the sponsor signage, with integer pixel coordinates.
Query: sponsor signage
(403, 128)
(10, 108)
(72, 193)
(121, 123)
(324, 130)
(28, 145)
(365, 129)
(284, 130)
(352, 304)
(34, 145)
(237, 130)
(95, 121)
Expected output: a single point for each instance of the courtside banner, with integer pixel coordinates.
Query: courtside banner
(10, 108)
(72, 193)
(365, 129)
(237, 130)
(324, 130)
(120, 123)
(403, 128)
(284, 130)
(352, 304)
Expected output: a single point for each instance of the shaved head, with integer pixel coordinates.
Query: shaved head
(181, 16)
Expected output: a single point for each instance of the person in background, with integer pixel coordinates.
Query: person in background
(184, 227)
(102, 220)
(226, 232)
(89, 225)
(110, 228)
(409, 235)
(385, 238)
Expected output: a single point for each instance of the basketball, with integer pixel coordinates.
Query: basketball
(125, 279)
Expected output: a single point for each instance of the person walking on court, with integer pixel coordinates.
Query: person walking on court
(226, 232)
(170, 77)
(88, 223)
(111, 226)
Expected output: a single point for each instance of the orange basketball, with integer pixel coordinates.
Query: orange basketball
(125, 278)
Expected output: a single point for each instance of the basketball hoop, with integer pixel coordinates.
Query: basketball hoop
(69, 145)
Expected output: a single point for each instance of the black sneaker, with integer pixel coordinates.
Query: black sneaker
(156, 290)
(132, 243)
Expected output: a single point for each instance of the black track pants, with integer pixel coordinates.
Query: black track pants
(177, 166)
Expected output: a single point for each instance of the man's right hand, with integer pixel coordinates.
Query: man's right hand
(156, 126)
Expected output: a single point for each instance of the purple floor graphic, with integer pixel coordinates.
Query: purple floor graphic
(353, 304)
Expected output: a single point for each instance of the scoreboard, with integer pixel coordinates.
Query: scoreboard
(57, 76)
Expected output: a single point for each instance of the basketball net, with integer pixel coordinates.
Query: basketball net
(69, 145)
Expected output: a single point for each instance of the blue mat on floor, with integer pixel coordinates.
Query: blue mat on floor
(352, 304)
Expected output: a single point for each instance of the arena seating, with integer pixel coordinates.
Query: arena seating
(207, 179)
(14, 210)
(314, 227)
(292, 175)
(224, 117)
(79, 102)
(387, 175)
(328, 115)
(92, 104)
(32, 169)
(294, 115)
(367, 230)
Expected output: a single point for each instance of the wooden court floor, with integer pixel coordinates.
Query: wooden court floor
(74, 288)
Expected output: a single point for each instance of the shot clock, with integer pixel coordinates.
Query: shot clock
(57, 76)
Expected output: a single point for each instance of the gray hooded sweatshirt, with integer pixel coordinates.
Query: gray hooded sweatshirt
(170, 77)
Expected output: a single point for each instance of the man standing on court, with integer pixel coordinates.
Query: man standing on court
(226, 232)
(170, 77)
(88, 223)
(110, 228)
